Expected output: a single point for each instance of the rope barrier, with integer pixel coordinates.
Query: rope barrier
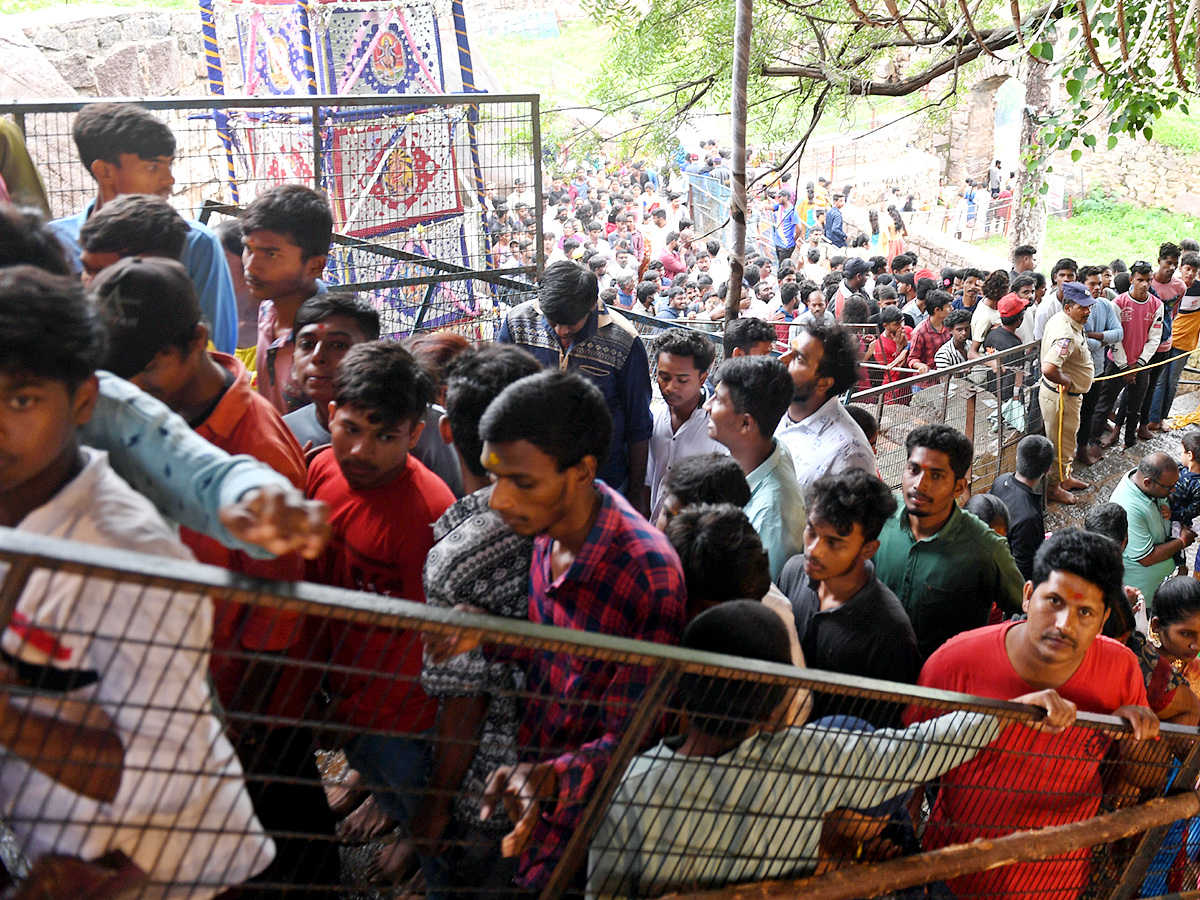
(1192, 418)
(1161, 362)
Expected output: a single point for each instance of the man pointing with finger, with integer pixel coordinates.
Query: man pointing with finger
(1029, 779)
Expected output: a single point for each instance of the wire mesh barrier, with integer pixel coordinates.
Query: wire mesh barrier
(993, 401)
(634, 769)
(410, 184)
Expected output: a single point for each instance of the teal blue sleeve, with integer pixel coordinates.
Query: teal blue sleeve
(181, 473)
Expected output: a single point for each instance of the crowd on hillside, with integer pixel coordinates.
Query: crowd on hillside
(533, 478)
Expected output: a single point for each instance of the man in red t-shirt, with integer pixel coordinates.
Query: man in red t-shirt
(382, 506)
(1032, 779)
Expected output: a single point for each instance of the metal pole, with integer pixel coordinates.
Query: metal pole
(738, 205)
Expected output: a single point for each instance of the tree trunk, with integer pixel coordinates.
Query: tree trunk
(1029, 206)
(737, 202)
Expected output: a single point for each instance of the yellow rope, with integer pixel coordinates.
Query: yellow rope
(1143, 368)
(1063, 475)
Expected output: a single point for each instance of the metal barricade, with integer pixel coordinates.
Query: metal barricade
(407, 177)
(993, 401)
(766, 786)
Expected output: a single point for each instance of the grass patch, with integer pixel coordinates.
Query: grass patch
(1176, 130)
(12, 7)
(1102, 230)
(561, 69)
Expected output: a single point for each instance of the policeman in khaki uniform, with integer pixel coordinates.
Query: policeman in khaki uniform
(1067, 374)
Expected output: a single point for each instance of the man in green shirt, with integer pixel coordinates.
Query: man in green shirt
(946, 566)
(1149, 554)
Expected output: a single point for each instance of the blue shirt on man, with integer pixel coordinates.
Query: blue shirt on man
(204, 259)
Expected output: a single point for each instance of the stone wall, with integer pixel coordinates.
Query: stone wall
(937, 251)
(1141, 172)
(128, 53)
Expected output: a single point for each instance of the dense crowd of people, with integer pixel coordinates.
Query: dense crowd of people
(536, 478)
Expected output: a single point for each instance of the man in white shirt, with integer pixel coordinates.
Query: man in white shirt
(818, 432)
(117, 747)
(681, 422)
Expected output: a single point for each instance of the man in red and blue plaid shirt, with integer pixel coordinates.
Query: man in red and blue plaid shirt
(597, 566)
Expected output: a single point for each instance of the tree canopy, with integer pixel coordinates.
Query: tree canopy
(1123, 62)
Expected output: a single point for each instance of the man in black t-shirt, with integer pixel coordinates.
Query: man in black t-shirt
(847, 620)
(1004, 337)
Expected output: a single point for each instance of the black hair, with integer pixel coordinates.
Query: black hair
(1166, 250)
(1189, 245)
(995, 285)
(957, 317)
(561, 413)
(855, 310)
(646, 290)
(760, 387)
(935, 300)
(885, 292)
(1122, 282)
(1035, 455)
(924, 286)
(1024, 251)
(943, 439)
(850, 498)
(745, 333)
(1121, 620)
(106, 130)
(1191, 442)
(25, 240)
(727, 707)
(299, 213)
(988, 508)
(840, 356)
(384, 381)
(1025, 279)
(1066, 263)
(229, 233)
(473, 381)
(1092, 557)
(1039, 280)
(722, 555)
(865, 420)
(685, 342)
(1012, 321)
(1176, 599)
(48, 328)
(568, 292)
(789, 291)
(135, 225)
(707, 478)
(814, 255)
(320, 307)
(889, 314)
(1190, 258)
(1110, 520)
(751, 275)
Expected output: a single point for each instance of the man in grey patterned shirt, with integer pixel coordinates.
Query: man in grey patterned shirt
(480, 563)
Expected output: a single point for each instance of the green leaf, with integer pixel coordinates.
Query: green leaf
(1148, 133)
(1074, 87)
(1112, 142)
(1089, 140)
(1044, 189)
(1076, 155)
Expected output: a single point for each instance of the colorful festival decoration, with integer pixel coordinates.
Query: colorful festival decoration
(391, 171)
